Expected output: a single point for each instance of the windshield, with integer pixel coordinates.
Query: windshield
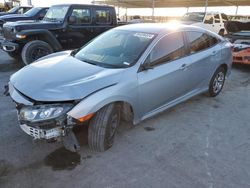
(193, 16)
(32, 12)
(13, 10)
(115, 48)
(56, 13)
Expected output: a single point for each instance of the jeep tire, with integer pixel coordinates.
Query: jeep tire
(34, 50)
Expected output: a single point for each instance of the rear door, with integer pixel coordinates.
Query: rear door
(205, 54)
(209, 22)
(103, 19)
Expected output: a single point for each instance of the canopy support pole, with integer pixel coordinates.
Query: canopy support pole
(236, 12)
(126, 14)
(153, 9)
(206, 4)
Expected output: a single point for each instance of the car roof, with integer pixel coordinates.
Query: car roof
(158, 28)
(77, 4)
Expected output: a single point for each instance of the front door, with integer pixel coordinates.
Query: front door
(169, 77)
(81, 31)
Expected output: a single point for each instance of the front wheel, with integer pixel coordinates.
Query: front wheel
(34, 50)
(217, 82)
(102, 128)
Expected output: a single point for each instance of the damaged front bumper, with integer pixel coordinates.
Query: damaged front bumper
(53, 128)
(38, 133)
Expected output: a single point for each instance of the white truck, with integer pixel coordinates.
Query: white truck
(212, 21)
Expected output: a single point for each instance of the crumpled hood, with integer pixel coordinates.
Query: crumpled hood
(61, 77)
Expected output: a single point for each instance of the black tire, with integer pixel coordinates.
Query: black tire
(34, 50)
(217, 82)
(222, 32)
(102, 128)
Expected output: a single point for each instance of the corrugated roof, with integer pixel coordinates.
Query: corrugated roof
(172, 3)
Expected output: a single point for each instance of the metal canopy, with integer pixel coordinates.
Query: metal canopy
(172, 3)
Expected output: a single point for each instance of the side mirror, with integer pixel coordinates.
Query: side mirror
(72, 19)
(40, 17)
(146, 65)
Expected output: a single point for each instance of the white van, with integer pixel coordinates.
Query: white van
(213, 21)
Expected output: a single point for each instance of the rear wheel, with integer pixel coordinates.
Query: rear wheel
(217, 82)
(222, 32)
(102, 127)
(34, 50)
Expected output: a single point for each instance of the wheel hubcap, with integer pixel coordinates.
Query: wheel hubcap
(218, 82)
(39, 52)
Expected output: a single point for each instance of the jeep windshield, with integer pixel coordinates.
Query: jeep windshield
(193, 16)
(115, 49)
(56, 13)
(32, 12)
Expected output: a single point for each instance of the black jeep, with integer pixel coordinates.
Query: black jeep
(63, 27)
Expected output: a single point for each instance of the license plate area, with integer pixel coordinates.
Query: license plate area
(41, 133)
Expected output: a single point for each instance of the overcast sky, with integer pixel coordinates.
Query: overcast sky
(148, 11)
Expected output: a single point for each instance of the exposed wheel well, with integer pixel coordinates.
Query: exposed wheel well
(127, 113)
(45, 38)
(224, 66)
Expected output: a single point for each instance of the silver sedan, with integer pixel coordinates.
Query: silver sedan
(131, 72)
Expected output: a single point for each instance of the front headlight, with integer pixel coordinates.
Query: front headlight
(43, 112)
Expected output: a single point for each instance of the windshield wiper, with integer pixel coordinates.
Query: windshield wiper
(101, 64)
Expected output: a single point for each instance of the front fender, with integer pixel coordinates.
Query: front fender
(96, 101)
(46, 35)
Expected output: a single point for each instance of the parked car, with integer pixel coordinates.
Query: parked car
(241, 54)
(212, 21)
(131, 72)
(241, 18)
(36, 13)
(16, 10)
(66, 26)
(239, 36)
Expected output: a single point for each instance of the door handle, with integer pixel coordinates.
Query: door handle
(214, 53)
(184, 66)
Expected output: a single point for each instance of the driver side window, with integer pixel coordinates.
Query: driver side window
(169, 48)
(82, 16)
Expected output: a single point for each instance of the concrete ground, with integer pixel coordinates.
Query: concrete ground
(204, 142)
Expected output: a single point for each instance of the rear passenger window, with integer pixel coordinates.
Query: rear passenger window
(103, 16)
(224, 17)
(200, 41)
(82, 15)
(169, 48)
(217, 18)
